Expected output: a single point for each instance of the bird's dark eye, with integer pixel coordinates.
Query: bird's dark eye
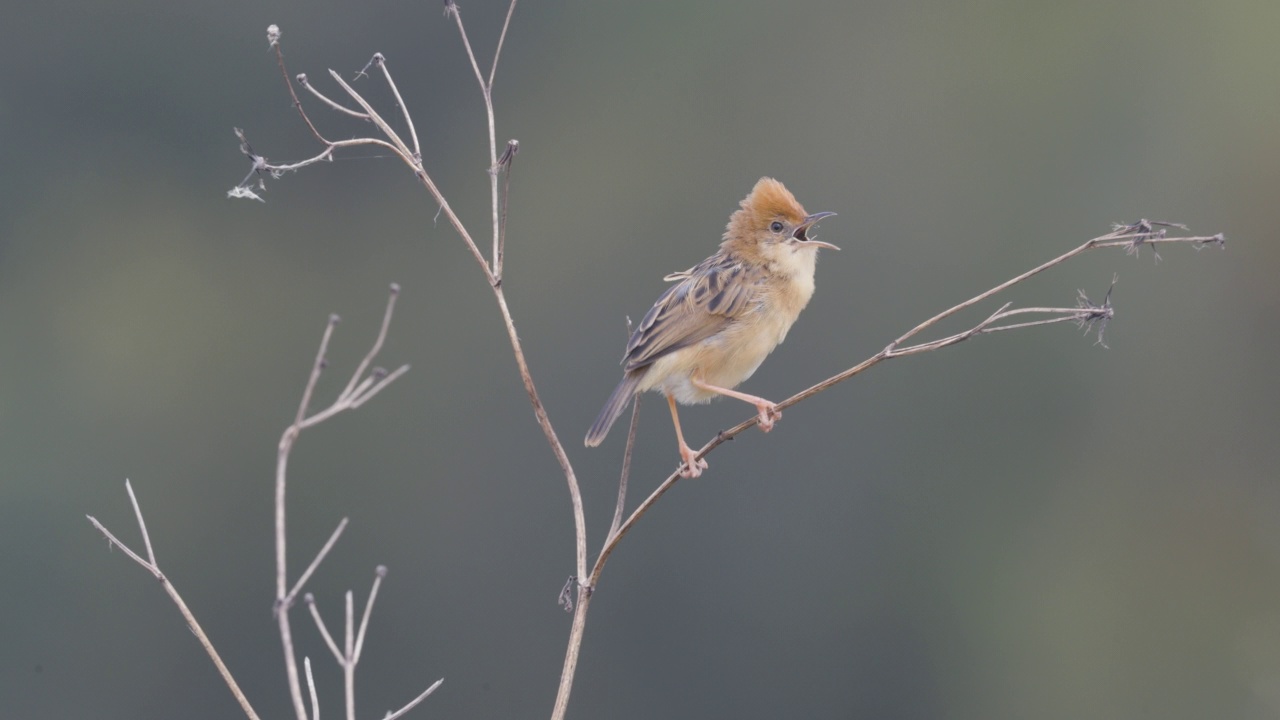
(776, 226)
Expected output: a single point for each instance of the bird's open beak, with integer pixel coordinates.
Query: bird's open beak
(801, 233)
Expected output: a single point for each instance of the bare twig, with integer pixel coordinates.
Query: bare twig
(273, 37)
(380, 573)
(359, 389)
(414, 702)
(491, 269)
(486, 90)
(333, 104)
(502, 38)
(576, 632)
(310, 601)
(151, 567)
(311, 686)
(381, 62)
(348, 656)
(505, 163)
(620, 508)
(306, 574)
(349, 651)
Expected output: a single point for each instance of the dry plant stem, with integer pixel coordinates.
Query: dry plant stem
(311, 687)
(505, 163)
(576, 631)
(348, 656)
(150, 565)
(575, 494)
(491, 275)
(315, 563)
(486, 90)
(414, 702)
(381, 62)
(293, 95)
(302, 80)
(349, 667)
(397, 145)
(620, 508)
(362, 386)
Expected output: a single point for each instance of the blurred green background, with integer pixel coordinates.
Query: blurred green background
(1024, 526)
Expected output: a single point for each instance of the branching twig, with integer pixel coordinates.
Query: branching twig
(486, 90)
(492, 269)
(414, 702)
(620, 507)
(306, 574)
(311, 687)
(363, 385)
(348, 656)
(150, 565)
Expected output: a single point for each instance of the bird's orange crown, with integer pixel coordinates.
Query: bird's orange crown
(769, 200)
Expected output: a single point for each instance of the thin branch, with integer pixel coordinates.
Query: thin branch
(355, 394)
(349, 663)
(311, 686)
(379, 386)
(502, 37)
(490, 268)
(367, 360)
(505, 163)
(333, 104)
(572, 653)
(403, 150)
(549, 432)
(306, 574)
(380, 573)
(310, 601)
(451, 9)
(192, 623)
(381, 62)
(486, 90)
(414, 702)
(142, 525)
(273, 37)
(258, 165)
(348, 656)
(620, 508)
(412, 158)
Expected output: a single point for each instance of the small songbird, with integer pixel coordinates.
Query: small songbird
(712, 329)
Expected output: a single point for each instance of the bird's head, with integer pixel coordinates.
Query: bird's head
(771, 226)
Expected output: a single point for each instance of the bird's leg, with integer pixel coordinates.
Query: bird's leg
(767, 412)
(693, 464)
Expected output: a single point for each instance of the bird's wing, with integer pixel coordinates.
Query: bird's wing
(706, 299)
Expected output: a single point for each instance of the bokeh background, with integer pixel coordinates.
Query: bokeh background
(1027, 525)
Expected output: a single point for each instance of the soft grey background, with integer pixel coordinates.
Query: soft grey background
(1024, 526)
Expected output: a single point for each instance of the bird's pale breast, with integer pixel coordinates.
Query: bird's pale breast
(732, 355)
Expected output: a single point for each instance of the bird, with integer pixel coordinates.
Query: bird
(721, 318)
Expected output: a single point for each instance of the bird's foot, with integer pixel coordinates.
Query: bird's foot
(693, 465)
(768, 415)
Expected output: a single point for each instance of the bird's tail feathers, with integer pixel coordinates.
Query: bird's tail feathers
(618, 402)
